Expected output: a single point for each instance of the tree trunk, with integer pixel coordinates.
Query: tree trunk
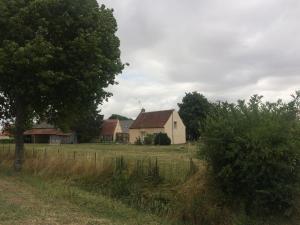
(19, 139)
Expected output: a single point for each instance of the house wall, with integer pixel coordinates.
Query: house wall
(178, 133)
(41, 139)
(69, 139)
(54, 139)
(135, 133)
(4, 138)
(117, 130)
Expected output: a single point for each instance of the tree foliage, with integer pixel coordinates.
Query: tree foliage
(253, 149)
(162, 139)
(193, 111)
(119, 117)
(149, 139)
(87, 127)
(56, 58)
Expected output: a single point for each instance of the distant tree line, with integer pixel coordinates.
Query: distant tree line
(118, 117)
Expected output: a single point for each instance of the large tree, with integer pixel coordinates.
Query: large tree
(193, 110)
(87, 127)
(56, 58)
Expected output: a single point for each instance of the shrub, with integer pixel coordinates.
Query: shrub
(138, 141)
(120, 185)
(153, 172)
(162, 139)
(253, 150)
(120, 165)
(149, 139)
(6, 141)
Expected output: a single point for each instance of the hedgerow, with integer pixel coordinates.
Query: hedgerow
(253, 152)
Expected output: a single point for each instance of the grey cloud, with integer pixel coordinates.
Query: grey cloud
(224, 49)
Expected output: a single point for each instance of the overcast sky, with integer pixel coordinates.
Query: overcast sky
(224, 49)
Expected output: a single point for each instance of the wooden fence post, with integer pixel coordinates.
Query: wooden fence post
(74, 153)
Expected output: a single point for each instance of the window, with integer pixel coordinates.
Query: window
(175, 124)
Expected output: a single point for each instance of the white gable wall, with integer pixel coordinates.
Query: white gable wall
(176, 129)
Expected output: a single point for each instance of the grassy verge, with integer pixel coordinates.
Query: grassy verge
(11, 211)
(125, 190)
(57, 195)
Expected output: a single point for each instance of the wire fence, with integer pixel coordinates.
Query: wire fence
(174, 170)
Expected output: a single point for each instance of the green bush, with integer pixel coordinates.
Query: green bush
(253, 150)
(149, 139)
(138, 141)
(120, 186)
(154, 172)
(7, 141)
(162, 139)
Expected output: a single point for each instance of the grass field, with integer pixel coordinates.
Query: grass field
(94, 184)
(172, 152)
(39, 196)
(174, 161)
(30, 200)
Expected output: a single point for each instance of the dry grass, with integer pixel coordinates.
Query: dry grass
(164, 153)
(92, 159)
(186, 194)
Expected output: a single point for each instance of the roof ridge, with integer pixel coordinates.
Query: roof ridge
(160, 111)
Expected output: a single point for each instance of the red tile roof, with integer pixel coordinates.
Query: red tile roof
(156, 119)
(5, 133)
(45, 131)
(108, 127)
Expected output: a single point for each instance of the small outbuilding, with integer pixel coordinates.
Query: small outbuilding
(5, 135)
(109, 130)
(46, 133)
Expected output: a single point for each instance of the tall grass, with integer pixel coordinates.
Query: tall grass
(78, 163)
(171, 188)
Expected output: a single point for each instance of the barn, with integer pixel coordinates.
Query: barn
(46, 133)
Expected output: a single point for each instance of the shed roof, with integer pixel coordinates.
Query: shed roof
(45, 131)
(156, 119)
(108, 127)
(5, 133)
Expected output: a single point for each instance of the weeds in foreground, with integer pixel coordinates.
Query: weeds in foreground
(141, 185)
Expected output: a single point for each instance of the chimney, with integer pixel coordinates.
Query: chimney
(143, 110)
